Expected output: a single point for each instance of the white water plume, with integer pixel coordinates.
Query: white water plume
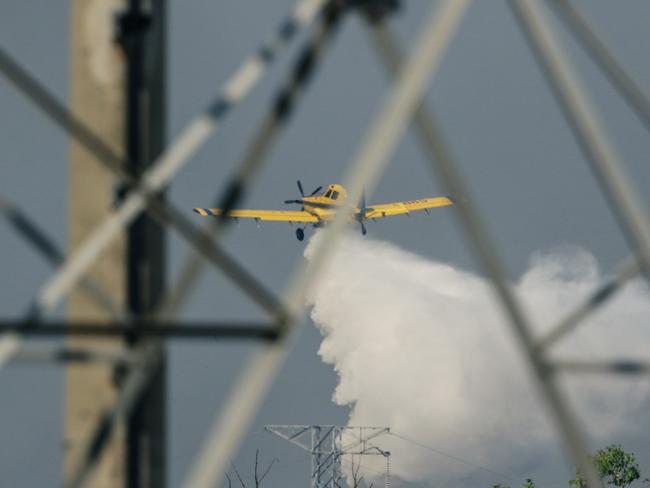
(422, 347)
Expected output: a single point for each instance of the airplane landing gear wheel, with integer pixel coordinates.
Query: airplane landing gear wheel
(300, 234)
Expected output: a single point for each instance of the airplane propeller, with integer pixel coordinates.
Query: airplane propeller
(362, 213)
(302, 194)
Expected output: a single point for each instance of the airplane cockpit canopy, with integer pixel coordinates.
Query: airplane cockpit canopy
(335, 192)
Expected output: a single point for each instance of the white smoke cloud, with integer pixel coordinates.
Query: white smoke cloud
(422, 347)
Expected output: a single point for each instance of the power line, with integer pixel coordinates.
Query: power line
(457, 458)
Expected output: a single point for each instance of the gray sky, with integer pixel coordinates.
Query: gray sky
(526, 171)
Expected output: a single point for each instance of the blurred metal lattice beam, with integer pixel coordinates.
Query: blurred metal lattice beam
(627, 367)
(624, 273)
(143, 328)
(31, 232)
(53, 355)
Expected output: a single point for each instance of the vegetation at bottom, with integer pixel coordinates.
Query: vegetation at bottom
(615, 466)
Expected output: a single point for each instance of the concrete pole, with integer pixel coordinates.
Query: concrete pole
(97, 98)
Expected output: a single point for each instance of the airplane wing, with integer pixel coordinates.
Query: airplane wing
(398, 208)
(275, 215)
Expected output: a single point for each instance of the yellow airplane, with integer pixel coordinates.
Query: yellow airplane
(319, 208)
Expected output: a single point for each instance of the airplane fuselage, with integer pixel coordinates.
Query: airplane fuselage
(324, 206)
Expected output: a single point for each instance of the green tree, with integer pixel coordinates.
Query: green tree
(615, 466)
(577, 482)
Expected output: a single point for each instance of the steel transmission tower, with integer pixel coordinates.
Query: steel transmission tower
(327, 444)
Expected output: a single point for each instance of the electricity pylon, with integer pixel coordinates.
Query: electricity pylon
(327, 444)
